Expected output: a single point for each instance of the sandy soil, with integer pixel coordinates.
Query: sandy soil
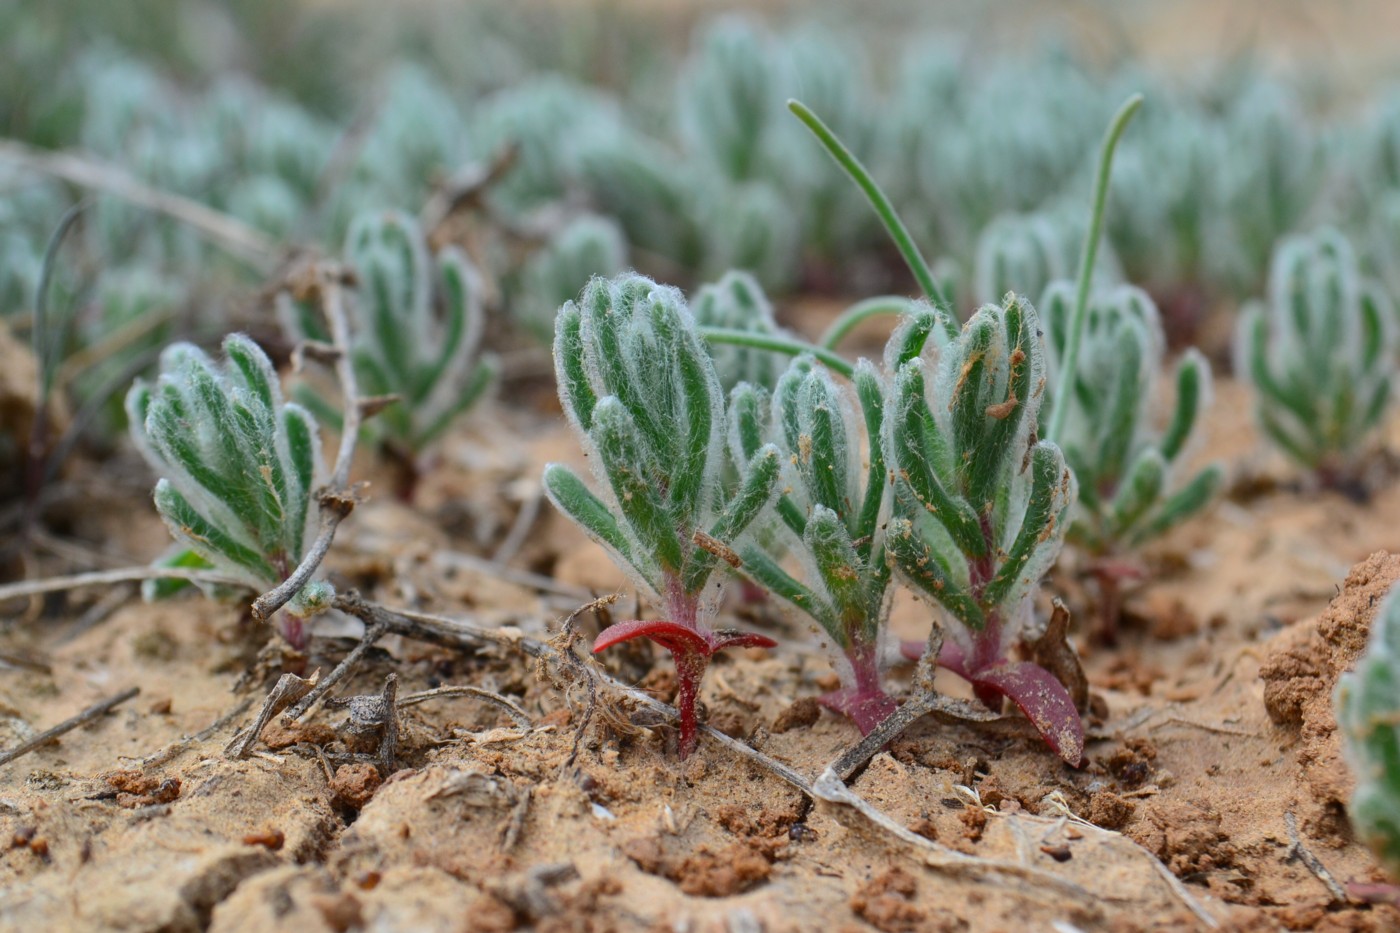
(1213, 729)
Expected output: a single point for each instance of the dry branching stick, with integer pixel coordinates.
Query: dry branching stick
(326, 280)
(68, 725)
(88, 172)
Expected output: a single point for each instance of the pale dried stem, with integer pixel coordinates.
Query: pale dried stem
(337, 500)
(68, 725)
(88, 172)
(109, 577)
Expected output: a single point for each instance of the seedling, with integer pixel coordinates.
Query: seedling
(238, 467)
(834, 510)
(737, 302)
(1122, 462)
(417, 321)
(638, 385)
(1021, 253)
(587, 246)
(980, 505)
(1368, 715)
(1319, 356)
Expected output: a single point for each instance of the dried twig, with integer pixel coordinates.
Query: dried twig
(68, 725)
(288, 689)
(372, 634)
(1313, 863)
(326, 280)
(179, 745)
(110, 577)
(87, 172)
(511, 708)
(830, 789)
(389, 737)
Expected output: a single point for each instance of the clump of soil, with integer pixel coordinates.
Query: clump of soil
(1300, 675)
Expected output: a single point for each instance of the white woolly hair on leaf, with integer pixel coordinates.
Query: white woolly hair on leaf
(1066, 493)
(178, 364)
(641, 576)
(460, 361)
(1019, 253)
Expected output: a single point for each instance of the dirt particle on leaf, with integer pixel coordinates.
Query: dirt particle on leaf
(887, 902)
(354, 785)
(798, 715)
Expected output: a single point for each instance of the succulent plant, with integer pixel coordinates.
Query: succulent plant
(587, 246)
(833, 510)
(638, 386)
(417, 322)
(1368, 716)
(1021, 253)
(238, 467)
(1122, 461)
(980, 505)
(1318, 355)
(737, 302)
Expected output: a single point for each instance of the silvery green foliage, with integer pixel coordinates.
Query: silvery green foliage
(749, 226)
(1122, 461)
(832, 508)
(831, 78)
(1380, 143)
(589, 245)
(238, 467)
(30, 209)
(650, 193)
(137, 308)
(417, 135)
(1318, 354)
(689, 214)
(550, 121)
(417, 326)
(737, 302)
(980, 505)
(638, 385)
(1020, 253)
(730, 101)
(1009, 139)
(1270, 178)
(1166, 228)
(1384, 241)
(1368, 716)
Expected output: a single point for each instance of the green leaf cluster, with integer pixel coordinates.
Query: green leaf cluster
(1122, 461)
(238, 467)
(416, 325)
(637, 383)
(1319, 354)
(830, 506)
(980, 505)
